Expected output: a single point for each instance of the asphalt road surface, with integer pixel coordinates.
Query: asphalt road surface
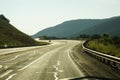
(59, 60)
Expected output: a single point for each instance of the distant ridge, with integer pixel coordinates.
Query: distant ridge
(11, 37)
(74, 28)
(111, 26)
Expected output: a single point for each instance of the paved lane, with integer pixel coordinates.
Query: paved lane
(51, 62)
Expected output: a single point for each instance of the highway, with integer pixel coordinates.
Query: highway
(59, 60)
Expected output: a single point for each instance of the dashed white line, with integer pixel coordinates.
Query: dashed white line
(56, 76)
(55, 73)
(57, 70)
(11, 59)
(6, 73)
(60, 70)
(32, 62)
(1, 66)
(11, 76)
(58, 63)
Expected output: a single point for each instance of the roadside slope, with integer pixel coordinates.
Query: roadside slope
(11, 36)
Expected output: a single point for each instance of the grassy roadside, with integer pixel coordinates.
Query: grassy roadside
(106, 44)
(2, 46)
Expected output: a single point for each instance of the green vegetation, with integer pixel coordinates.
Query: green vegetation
(105, 44)
(49, 38)
(46, 38)
(12, 37)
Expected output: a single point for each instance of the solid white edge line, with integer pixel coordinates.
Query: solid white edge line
(68, 52)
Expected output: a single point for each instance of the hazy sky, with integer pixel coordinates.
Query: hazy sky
(31, 16)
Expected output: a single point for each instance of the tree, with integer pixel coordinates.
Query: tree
(106, 39)
(43, 37)
(116, 40)
(95, 36)
(84, 36)
(105, 35)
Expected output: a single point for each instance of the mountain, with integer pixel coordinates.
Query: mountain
(111, 26)
(68, 28)
(11, 37)
(74, 28)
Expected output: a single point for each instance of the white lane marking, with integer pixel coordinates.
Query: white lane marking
(32, 62)
(11, 76)
(68, 52)
(12, 58)
(56, 73)
(6, 73)
(56, 76)
(1, 66)
(57, 70)
(58, 63)
(60, 70)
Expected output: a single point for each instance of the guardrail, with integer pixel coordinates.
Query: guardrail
(107, 59)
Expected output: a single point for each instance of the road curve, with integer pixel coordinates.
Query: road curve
(59, 60)
(51, 62)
